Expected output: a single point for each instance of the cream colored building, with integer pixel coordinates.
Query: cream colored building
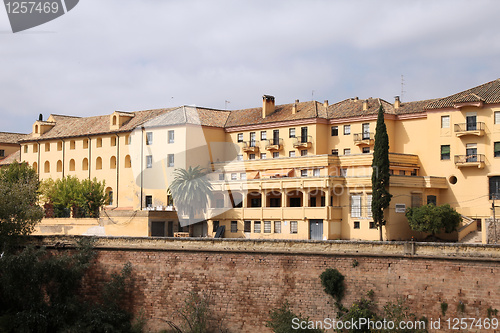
(9, 147)
(300, 170)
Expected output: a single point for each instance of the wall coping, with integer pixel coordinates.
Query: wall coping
(265, 246)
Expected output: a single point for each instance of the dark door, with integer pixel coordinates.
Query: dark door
(303, 134)
(170, 229)
(471, 123)
(157, 229)
(471, 154)
(276, 137)
(316, 229)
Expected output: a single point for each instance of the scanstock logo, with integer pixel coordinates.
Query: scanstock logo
(25, 15)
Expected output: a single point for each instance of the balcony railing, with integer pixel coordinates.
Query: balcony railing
(470, 160)
(364, 138)
(302, 141)
(476, 128)
(274, 144)
(250, 146)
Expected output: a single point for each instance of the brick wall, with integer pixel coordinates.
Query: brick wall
(246, 281)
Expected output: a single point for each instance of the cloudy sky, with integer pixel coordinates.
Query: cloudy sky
(134, 55)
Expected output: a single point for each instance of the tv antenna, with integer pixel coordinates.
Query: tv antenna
(226, 102)
(402, 86)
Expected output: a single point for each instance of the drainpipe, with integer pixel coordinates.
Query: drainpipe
(142, 162)
(117, 166)
(63, 154)
(38, 143)
(90, 155)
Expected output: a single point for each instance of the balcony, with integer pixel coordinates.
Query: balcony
(364, 139)
(302, 142)
(476, 160)
(463, 129)
(274, 144)
(250, 146)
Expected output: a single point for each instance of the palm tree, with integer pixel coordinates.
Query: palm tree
(190, 190)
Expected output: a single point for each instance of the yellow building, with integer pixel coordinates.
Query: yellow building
(293, 171)
(9, 147)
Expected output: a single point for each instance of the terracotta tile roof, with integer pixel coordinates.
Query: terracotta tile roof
(190, 115)
(354, 108)
(11, 158)
(305, 110)
(67, 126)
(6, 137)
(486, 93)
(413, 107)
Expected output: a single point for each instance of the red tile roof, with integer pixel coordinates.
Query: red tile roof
(6, 137)
(488, 93)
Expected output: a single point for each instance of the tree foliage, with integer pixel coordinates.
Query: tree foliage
(333, 282)
(380, 175)
(19, 211)
(433, 219)
(84, 198)
(190, 190)
(281, 321)
(42, 292)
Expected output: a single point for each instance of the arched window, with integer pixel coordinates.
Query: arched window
(114, 120)
(128, 162)
(109, 192)
(72, 165)
(98, 163)
(46, 167)
(85, 164)
(112, 162)
(72, 144)
(36, 128)
(59, 166)
(35, 166)
(99, 143)
(59, 145)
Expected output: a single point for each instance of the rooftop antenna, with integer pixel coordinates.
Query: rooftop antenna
(312, 95)
(402, 86)
(226, 103)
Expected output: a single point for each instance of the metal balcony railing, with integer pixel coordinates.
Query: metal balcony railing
(274, 144)
(469, 127)
(302, 141)
(250, 145)
(472, 159)
(364, 136)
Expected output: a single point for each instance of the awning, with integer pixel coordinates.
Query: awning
(253, 175)
(276, 173)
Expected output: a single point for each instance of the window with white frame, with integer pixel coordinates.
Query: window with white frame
(347, 151)
(149, 138)
(369, 205)
(267, 227)
(170, 160)
(234, 226)
(251, 156)
(239, 157)
(356, 205)
(263, 156)
(276, 154)
(277, 227)
(445, 121)
(293, 227)
(234, 176)
(347, 129)
(263, 135)
(149, 161)
(291, 153)
(243, 175)
(240, 137)
(335, 131)
(497, 117)
(316, 172)
(303, 152)
(171, 137)
(256, 227)
(303, 173)
(291, 132)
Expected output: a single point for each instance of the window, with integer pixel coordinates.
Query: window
(431, 199)
(400, 208)
(356, 225)
(72, 144)
(128, 162)
(2, 153)
(293, 227)
(234, 226)
(149, 138)
(221, 176)
(86, 144)
(85, 164)
(445, 152)
(343, 172)
(149, 201)
(247, 227)
(368, 205)
(128, 140)
(267, 227)
(494, 183)
(149, 161)
(72, 165)
(335, 131)
(171, 137)
(347, 129)
(303, 152)
(366, 131)
(347, 151)
(98, 163)
(25, 149)
(497, 149)
(335, 152)
(263, 135)
(416, 200)
(170, 162)
(59, 145)
(35, 148)
(295, 202)
(243, 176)
(59, 166)
(291, 132)
(215, 226)
(291, 153)
(112, 162)
(113, 141)
(401, 172)
(240, 137)
(252, 139)
(110, 198)
(276, 154)
(366, 150)
(497, 117)
(277, 227)
(274, 202)
(251, 156)
(114, 120)
(239, 157)
(316, 172)
(303, 173)
(234, 176)
(372, 225)
(356, 206)
(256, 226)
(47, 146)
(445, 121)
(263, 156)
(98, 142)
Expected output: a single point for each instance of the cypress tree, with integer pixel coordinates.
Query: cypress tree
(380, 175)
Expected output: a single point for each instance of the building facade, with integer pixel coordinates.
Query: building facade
(292, 171)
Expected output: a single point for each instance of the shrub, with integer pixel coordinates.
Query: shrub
(281, 320)
(333, 282)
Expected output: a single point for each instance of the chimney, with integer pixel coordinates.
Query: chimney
(267, 105)
(294, 108)
(325, 103)
(365, 105)
(355, 98)
(397, 102)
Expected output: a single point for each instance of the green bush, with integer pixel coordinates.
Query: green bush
(333, 282)
(281, 320)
